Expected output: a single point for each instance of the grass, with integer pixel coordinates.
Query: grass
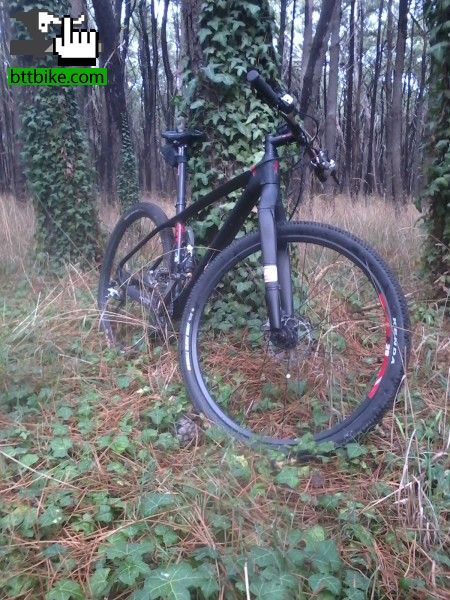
(98, 500)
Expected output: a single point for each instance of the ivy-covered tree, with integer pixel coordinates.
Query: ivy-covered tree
(127, 179)
(58, 174)
(223, 39)
(436, 200)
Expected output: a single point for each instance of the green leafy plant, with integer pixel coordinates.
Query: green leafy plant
(436, 199)
(58, 174)
(234, 36)
(127, 178)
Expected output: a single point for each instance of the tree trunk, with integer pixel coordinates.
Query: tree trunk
(349, 102)
(415, 173)
(317, 52)
(281, 34)
(388, 105)
(190, 18)
(11, 172)
(311, 80)
(333, 80)
(168, 112)
(357, 158)
(146, 68)
(291, 48)
(109, 31)
(397, 187)
(307, 38)
(154, 90)
(407, 131)
(369, 183)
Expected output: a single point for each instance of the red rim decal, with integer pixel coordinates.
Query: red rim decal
(385, 362)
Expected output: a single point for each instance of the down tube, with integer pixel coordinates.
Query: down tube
(223, 237)
(233, 224)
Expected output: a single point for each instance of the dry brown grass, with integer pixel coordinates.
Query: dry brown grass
(397, 236)
(16, 230)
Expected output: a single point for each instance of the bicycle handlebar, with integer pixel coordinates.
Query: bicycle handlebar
(322, 165)
(266, 92)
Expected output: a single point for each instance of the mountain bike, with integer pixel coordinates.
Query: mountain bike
(297, 328)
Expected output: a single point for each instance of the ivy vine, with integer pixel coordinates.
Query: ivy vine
(127, 178)
(436, 199)
(57, 170)
(234, 36)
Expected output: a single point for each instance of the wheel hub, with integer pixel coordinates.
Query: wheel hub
(295, 333)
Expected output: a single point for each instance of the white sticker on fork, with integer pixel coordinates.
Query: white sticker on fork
(270, 274)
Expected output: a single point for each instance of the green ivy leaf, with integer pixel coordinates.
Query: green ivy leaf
(120, 443)
(152, 503)
(66, 589)
(29, 459)
(355, 450)
(320, 582)
(98, 582)
(174, 582)
(288, 476)
(130, 569)
(60, 447)
(52, 516)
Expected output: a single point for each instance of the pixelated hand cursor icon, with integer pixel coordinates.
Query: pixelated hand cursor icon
(75, 47)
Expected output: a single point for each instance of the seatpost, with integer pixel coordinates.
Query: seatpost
(181, 199)
(181, 190)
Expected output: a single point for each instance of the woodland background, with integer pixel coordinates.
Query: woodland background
(360, 68)
(97, 498)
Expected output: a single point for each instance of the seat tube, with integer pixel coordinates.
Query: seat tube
(181, 200)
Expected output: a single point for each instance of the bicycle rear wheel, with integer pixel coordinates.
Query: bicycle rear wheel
(352, 340)
(131, 296)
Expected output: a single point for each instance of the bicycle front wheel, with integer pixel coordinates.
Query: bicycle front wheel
(351, 340)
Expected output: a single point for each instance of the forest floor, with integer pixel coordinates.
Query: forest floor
(99, 501)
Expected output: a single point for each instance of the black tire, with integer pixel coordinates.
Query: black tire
(115, 320)
(209, 297)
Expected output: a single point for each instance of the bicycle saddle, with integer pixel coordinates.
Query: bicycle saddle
(184, 138)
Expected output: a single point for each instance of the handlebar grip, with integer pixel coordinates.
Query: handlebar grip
(266, 92)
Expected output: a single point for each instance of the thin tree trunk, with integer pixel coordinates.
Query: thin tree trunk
(405, 149)
(333, 80)
(316, 55)
(358, 122)
(167, 70)
(129, 8)
(388, 105)
(397, 187)
(145, 64)
(307, 39)
(282, 32)
(369, 183)
(349, 102)
(415, 152)
(311, 80)
(291, 47)
(108, 25)
(154, 92)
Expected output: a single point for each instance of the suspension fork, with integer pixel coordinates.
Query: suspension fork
(276, 261)
(268, 234)
(284, 266)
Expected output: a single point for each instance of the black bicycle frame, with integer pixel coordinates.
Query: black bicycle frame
(261, 182)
